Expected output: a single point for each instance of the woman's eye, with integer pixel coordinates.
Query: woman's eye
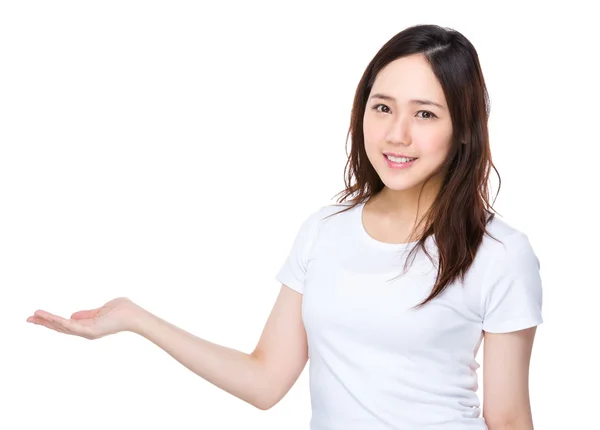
(376, 107)
(423, 114)
(426, 114)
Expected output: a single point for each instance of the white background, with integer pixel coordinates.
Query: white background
(168, 152)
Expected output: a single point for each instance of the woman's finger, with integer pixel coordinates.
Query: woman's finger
(61, 324)
(44, 322)
(47, 315)
(66, 326)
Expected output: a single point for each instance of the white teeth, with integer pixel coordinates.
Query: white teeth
(399, 159)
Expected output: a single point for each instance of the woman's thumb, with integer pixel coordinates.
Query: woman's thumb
(81, 315)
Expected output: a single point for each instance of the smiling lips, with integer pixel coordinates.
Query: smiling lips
(394, 154)
(399, 161)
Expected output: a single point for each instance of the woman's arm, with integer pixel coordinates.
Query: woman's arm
(506, 358)
(261, 378)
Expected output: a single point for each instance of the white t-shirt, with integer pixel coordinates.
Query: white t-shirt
(374, 362)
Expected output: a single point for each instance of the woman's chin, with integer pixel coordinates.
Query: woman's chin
(400, 186)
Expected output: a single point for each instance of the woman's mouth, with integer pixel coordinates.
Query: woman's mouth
(399, 162)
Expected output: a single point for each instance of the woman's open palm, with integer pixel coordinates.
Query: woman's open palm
(115, 316)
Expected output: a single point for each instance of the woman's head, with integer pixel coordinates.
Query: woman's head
(423, 96)
(425, 63)
(407, 126)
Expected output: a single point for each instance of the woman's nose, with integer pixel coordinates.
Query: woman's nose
(399, 132)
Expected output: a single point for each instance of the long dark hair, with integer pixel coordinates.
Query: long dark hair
(458, 217)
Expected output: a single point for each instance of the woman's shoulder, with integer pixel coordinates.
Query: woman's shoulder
(329, 211)
(503, 238)
(320, 215)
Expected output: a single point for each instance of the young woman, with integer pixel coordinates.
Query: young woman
(391, 291)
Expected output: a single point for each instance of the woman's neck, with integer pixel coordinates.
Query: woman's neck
(402, 204)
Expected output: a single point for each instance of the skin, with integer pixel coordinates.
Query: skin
(264, 376)
(400, 124)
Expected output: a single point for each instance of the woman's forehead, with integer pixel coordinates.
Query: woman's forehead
(408, 78)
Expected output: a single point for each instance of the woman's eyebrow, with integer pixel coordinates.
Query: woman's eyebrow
(420, 102)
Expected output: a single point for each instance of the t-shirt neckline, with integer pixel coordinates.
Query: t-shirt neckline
(366, 237)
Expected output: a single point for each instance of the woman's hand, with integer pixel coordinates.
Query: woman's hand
(115, 316)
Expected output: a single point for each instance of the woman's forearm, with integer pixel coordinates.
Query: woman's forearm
(235, 372)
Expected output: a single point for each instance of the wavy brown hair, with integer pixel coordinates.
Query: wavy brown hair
(461, 210)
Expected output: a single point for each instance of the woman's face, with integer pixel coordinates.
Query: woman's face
(407, 116)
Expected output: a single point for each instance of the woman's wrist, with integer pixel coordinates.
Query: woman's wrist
(137, 318)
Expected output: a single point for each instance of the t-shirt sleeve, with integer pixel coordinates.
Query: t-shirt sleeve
(293, 271)
(513, 289)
